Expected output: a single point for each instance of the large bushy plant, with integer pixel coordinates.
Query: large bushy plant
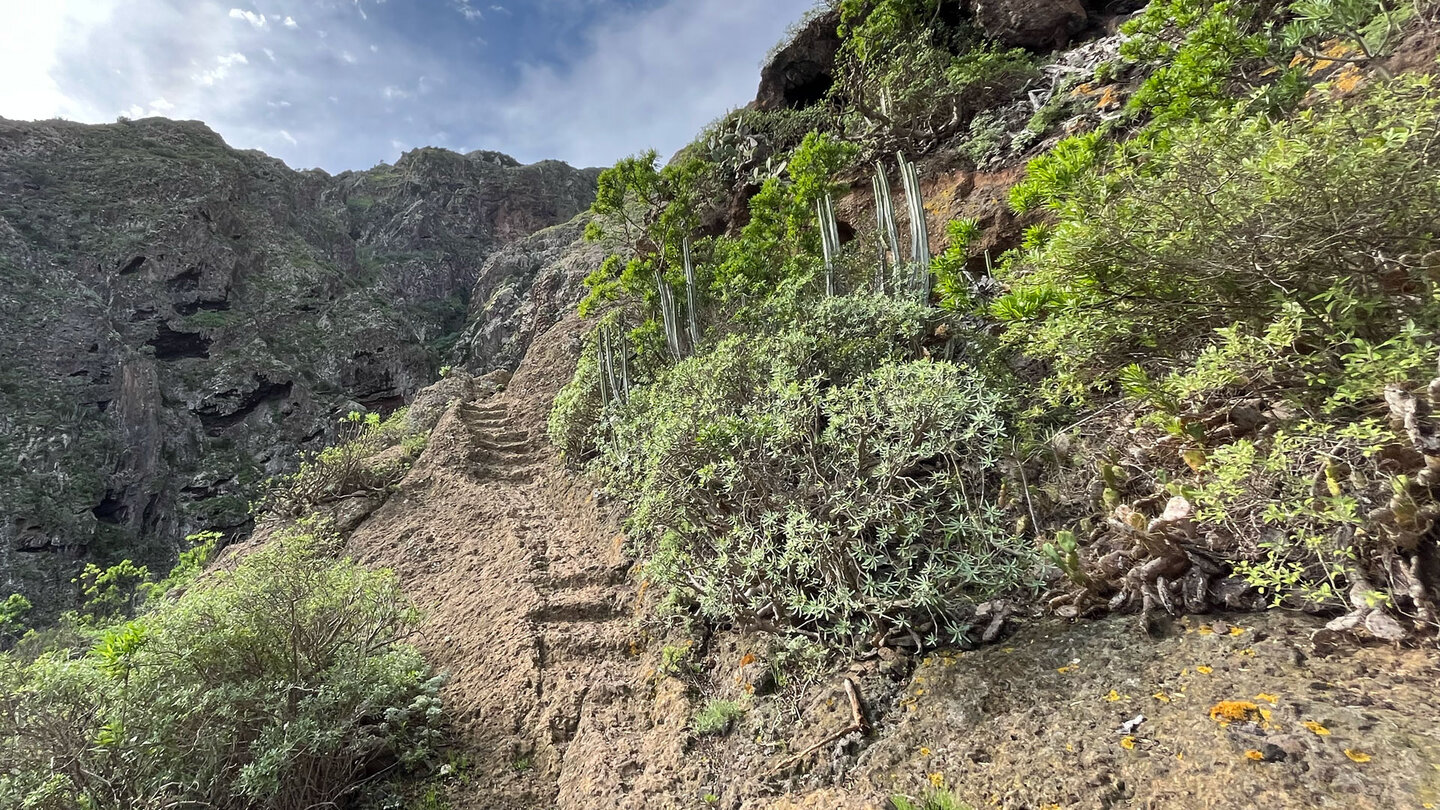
(1331, 214)
(283, 682)
(817, 480)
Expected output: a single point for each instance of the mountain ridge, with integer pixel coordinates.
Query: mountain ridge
(186, 318)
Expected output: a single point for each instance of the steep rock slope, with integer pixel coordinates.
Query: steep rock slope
(181, 319)
(522, 290)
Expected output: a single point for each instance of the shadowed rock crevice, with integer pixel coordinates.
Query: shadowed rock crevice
(232, 407)
(171, 345)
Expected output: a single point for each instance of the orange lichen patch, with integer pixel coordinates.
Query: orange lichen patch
(1065, 670)
(1114, 696)
(1237, 631)
(1336, 50)
(1254, 755)
(1349, 79)
(924, 752)
(1316, 728)
(1268, 698)
(1162, 697)
(1235, 711)
(1206, 630)
(1357, 756)
(1128, 743)
(747, 659)
(1204, 670)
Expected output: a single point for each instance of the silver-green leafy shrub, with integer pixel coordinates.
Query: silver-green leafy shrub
(818, 480)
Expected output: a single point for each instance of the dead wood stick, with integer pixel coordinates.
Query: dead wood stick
(857, 723)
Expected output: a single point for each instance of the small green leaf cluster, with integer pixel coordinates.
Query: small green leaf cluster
(934, 800)
(282, 682)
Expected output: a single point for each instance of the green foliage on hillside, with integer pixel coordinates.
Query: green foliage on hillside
(280, 682)
(817, 479)
(356, 464)
(1321, 218)
(807, 468)
(1224, 280)
(906, 80)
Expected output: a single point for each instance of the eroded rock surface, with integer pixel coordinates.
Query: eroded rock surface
(1040, 25)
(801, 71)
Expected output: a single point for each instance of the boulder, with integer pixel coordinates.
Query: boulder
(1039, 25)
(800, 73)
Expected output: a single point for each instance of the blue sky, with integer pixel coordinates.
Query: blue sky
(346, 84)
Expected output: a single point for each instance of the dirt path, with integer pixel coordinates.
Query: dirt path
(523, 585)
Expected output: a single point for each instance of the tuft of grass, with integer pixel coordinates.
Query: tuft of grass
(935, 800)
(716, 718)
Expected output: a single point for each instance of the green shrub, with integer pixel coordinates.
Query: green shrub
(12, 616)
(910, 82)
(814, 481)
(1328, 216)
(935, 800)
(354, 464)
(281, 683)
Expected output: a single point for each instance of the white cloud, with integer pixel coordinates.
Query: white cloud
(223, 64)
(257, 20)
(31, 38)
(469, 12)
(290, 23)
(623, 76)
(648, 78)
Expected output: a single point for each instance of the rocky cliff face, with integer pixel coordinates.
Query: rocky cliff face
(180, 319)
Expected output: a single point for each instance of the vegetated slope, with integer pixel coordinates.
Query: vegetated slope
(182, 319)
(562, 691)
(855, 500)
(1187, 366)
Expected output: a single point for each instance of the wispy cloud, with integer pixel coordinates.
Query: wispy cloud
(257, 20)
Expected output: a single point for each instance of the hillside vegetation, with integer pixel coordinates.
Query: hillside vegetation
(1193, 384)
(1190, 367)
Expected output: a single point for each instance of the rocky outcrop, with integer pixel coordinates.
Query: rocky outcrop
(522, 291)
(182, 319)
(801, 71)
(1040, 25)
